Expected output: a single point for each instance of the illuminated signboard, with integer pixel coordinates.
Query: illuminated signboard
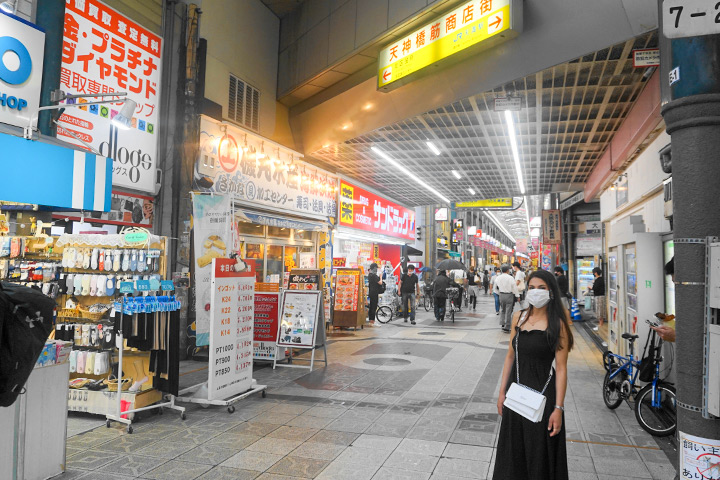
(488, 203)
(364, 210)
(479, 23)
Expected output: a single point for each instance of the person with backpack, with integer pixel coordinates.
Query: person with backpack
(375, 288)
(442, 282)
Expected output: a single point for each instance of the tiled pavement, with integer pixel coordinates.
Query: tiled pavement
(395, 402)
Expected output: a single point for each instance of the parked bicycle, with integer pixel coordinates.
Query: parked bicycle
(427, 301)
(387, 313)
(655, 403)
(453, 304)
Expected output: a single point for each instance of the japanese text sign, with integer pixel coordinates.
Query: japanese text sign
(690, 18)
(699, 457)
(552, 227)
(469, 25)
(104, 51)
(252, 176)
(267, 311)
(232, 303)
(20, 82)
(487, 203)
(366, 211)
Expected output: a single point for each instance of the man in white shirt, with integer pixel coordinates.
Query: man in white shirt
(507, 290)
(519, 279)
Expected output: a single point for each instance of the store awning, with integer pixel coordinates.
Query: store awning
(408, 251)
(279, 221)
(41, 173)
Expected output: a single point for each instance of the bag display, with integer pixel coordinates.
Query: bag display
(524, 400)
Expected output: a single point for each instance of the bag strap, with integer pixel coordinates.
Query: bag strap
(517, 365)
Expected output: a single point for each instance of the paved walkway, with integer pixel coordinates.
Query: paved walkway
(395, 402)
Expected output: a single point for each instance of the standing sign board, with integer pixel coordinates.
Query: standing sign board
(231, 332)
(267, 313)
(22, 49)
(104, 51)
(349, 298)
(304, 279)
(479, 24)
(552, 227)
(299, 319)
(361, 209)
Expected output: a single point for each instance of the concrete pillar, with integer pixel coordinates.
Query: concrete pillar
(694, 125)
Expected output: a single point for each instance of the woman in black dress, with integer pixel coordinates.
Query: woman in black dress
(527, 450)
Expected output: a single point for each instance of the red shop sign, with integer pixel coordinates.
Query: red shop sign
(267, 308)
(366, 211)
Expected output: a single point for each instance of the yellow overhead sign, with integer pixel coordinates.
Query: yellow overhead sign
(487, 203)
(468, 25)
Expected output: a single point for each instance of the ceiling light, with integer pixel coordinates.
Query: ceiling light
(472, 192)
(495, 220)
(514, 147)
(368, 106)
(409, 174)
(8, 6)
(457, 174)
(432, 147)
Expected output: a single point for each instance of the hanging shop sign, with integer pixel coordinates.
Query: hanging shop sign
(236, 163)
(126, 209)
(441, 214)
(552, 227)
(588, 246)
(593, 227)
(366, 211)
(646, 57)
(22, 49)
(521, 246)
(512, 104)
(339, 261)
(303, 281)
(104, 51)
(47, 174)
(211, 236)
(231, 333)
(267, 312)
(479, 24)
(489, 203)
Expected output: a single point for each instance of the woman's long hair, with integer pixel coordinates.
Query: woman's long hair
(557, 314)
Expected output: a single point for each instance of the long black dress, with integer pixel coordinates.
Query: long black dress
(525, 449)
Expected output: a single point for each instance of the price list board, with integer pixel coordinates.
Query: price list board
(231, 330)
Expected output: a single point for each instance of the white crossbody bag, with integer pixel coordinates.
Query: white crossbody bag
(524, 400)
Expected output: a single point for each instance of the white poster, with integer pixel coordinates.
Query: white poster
(699, 457)
(104, 51)
(211, 236)
(298, 318)
(231, 332)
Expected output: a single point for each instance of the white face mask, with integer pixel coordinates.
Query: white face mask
(538, 298)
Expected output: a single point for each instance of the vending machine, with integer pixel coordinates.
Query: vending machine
(585, 277)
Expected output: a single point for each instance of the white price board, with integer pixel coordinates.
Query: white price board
(231, 330)
(299, 318)
(690, 18)
(699, 457)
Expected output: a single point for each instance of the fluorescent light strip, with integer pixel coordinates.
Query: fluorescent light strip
(456, 174)
(472, 192)
(432, 147)
(514, 147)
(527, 214)
(409, 174)
(495, 220)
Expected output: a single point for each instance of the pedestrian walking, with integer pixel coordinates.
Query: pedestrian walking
(486, 281)
(374, 291)
(542, 336)
(598, 290)
(507, 290)
(496, 272)
(519, 279)
(563, 286)
(473, 289)
(409, 290)
(442, 282)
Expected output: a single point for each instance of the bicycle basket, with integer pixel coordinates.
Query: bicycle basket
(452, 293)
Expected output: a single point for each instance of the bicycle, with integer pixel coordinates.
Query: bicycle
(428, 302)
(452, 295)
(387, 313)
(655, 403)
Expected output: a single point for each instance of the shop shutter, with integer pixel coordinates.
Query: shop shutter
(243, 104)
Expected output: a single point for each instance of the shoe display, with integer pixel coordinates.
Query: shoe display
(73, 361)
(90, 363)
(93, 285)
(108, 260)
(94, 258)
(141, 261)
(101, 260)
(117, 254)
(87, 253)
(126, 261)
(133, 260)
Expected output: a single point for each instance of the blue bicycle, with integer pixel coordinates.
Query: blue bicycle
(655, 403)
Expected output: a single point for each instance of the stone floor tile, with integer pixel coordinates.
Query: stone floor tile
(274, 419)
(227, 473)
(377, 441)
(412, 461)
(258, 429)
(232, 440)
(168, 450)
(248, 460)
(318, 451)
(422, 447)
(387, 473)
(468, 452)
(277, 446)
(336, 438)
(293, 433)
(347, 471)
(207, 455)
(177, 470)
(132, 465)
(298, 466)
(362, 456)
(462, 468)
(90, 460)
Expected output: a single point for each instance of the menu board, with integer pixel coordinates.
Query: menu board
(299, 316)
(267, 310)
(346, 290)
(231, 330)
(303, 282)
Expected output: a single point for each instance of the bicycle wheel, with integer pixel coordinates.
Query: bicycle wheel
(611, 390)
(658, 421)
(452, 314)
(384, 314)
(427, 303)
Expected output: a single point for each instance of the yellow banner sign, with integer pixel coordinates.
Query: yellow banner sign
(466, 26)
(487, 203)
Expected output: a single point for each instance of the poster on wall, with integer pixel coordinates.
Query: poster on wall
(363, 210)
(303, 281)
(127, 209)
(588, 246)
(211, 236)
(231, 331)
(239, 164)
(267, 312)
(307, 260)
(299, 318)
(346, 290)
(104, 51)
(699, 457)
(551, 227)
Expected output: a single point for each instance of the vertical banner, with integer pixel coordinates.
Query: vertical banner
(267, 312)
(552, 227)
(211, 238)
(104, 51)
(231, 331)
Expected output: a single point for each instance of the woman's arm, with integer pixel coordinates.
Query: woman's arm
(507, 367)
(561, 357)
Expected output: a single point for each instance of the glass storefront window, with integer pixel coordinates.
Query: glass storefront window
(255, 251)
(303, 235)
(277, 232)
(247, 228)
(291, 258)
(274, 269)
